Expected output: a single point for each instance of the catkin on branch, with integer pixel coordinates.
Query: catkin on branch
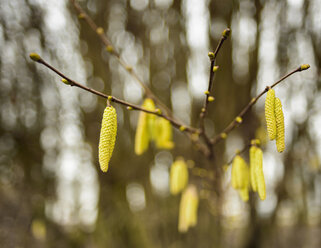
(269, 114)
(280, 144)
(107, 137)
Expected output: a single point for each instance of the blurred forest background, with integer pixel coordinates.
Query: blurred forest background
(52, 192)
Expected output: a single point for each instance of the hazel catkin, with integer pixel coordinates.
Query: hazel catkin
(145, 126)
(258, 160)
(107, 139)
(280, 144)
(269, 114)
(178, 176)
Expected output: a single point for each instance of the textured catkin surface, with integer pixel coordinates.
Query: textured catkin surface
(280, 143)
(269, 114)
(253, 168)
(107, 139)
(259, 173)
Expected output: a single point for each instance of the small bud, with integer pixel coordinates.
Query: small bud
(109, 48)
(129, 108)
(35, 57)
(65, 81)
(182, 128)
(129, 68)
(223, 135)
(206, 92)
(100, 30)
(253, 100)
(110, 98)
(210, 98)
(203, 110)
(215, 68)
(226, 33)
(211, 55)
(239, 119)
(81, 16)
(305, 67)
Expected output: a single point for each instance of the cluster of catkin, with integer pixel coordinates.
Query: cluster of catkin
(275, 119)
(189, 200)
(245, 177)
(152, 128)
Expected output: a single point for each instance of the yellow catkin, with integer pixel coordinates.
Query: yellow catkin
(144, 128)
(163, 133)
(259, 173)
(188, 209)
(280, 144)
(238, 175)
(253, 168)
(269, 114)
(244, 191)
(178, 176)
(107, 137)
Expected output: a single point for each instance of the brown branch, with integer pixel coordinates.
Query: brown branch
(69, 81)
(109, 47)
(204, 109)
(239, 117)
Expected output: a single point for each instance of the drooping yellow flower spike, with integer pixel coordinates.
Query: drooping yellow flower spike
(239, 172)
(258, 160)
(178, 176)
(163, 133)
(280, 144)
(269, 114)
(188, 209)
(145, 126)
(253, 165)
(107, 137)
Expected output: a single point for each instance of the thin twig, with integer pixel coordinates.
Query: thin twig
(238, 120)
(204, 109)
(122, 62)
(157, 112)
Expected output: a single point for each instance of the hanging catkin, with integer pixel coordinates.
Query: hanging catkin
(163, 133)
(269, 114)
(145, 126)
(107, 137)
(188, 209)
(258, 160)
(253, 168)
(178, 176)
(280, 144)
(238, 172)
